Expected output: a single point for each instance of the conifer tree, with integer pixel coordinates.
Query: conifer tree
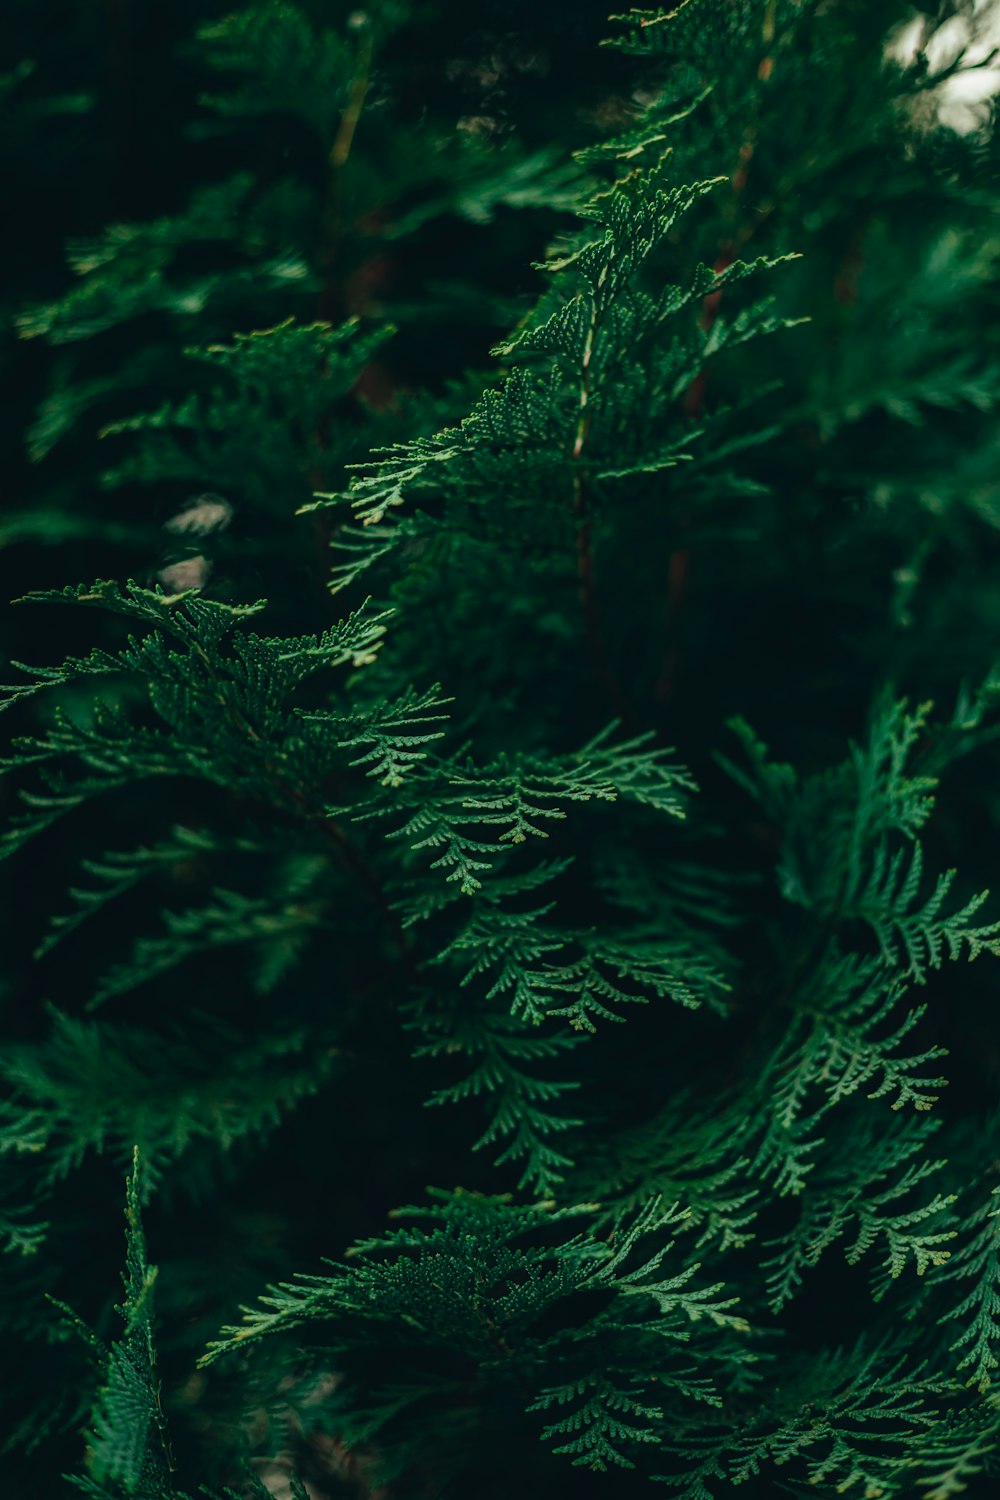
(503, 727)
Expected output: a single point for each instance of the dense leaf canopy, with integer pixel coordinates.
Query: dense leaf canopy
(502, 717)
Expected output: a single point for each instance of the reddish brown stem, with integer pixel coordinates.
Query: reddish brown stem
(678, 577)
(693, 405)
(356, 862)
(339, 153)
(582, 510)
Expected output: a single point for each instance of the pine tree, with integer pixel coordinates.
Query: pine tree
(520, 749)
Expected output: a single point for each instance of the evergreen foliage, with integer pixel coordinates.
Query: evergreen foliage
(480, 449)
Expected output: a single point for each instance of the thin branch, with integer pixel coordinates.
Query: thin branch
(583, 511)
(339, 153)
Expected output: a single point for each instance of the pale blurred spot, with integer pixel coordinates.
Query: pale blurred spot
(275, 1476)
(324, 1386)
(204, 514)
(963, 101)
(189, 573)
(483, 125)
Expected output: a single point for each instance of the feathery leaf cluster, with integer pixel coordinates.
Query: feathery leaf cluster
(399, 807)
